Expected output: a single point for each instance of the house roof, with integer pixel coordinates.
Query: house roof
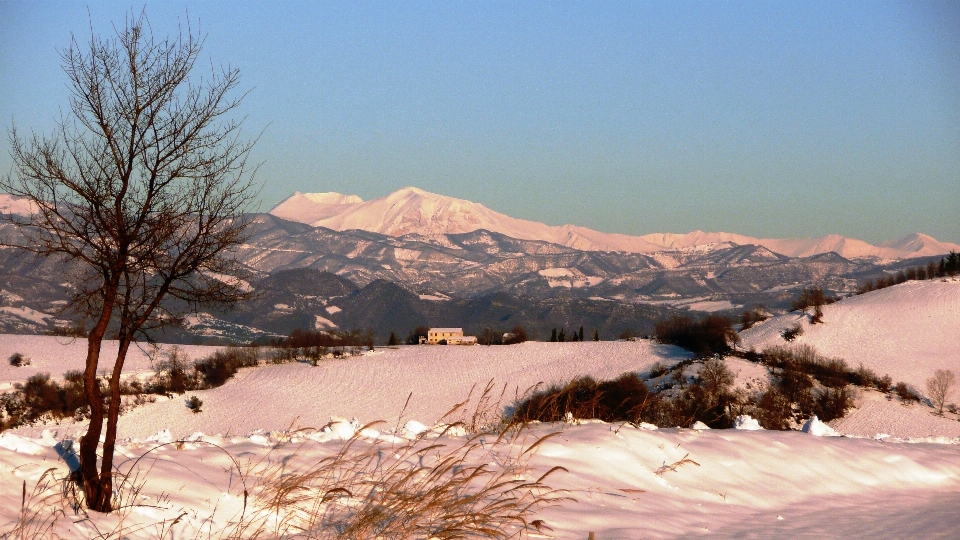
(447, 330)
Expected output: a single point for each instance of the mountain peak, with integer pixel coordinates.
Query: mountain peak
(412, 210)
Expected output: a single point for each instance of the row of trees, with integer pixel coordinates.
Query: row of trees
(813, 297)
(711, 335)
(562, 336)
(948, 266)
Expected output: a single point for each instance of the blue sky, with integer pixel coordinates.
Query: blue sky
(774, 119)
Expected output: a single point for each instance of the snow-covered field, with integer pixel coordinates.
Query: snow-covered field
(626, 482)
(57, 355)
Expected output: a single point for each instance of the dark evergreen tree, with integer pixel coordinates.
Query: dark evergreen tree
(393, 339)
(562, 336)
(553, 335)
(581, 334)
(596, 335)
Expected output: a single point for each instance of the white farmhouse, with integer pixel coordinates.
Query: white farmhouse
(451, 336)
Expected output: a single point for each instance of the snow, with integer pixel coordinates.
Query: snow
(568, 277)
(713, 305)
(31, 315)
(722, 484)
(414, 211)
(906, 331)
(815, 427)
(57, 355)
(16, 205)
(746, 423)
(880, 414)
(556, 273)
(321, 323)
(333, 310)
(623, 481)
(434, 297)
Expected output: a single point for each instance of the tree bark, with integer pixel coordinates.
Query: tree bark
(93, 488)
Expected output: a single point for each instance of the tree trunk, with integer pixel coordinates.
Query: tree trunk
(93, 489)
(110, 438)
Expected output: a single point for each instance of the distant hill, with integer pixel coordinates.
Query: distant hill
(907, 331)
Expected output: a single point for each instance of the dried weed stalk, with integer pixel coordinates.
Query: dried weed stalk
(475, 487)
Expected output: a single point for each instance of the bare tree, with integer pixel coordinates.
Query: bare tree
(716, 376)
(939, 386)
(143, 188)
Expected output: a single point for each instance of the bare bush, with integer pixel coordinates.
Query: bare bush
(939, 387)
(792, 333)
(716, 376)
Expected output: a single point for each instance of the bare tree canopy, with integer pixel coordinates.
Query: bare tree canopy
(939, 386)
(143, 187)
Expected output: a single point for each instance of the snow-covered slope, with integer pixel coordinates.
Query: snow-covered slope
(907, 331)
(920, 245)
(415, 211)
(58, 355)
(15, 205)
(310, 207)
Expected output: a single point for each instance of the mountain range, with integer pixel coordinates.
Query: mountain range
(326, 261)
(414, 211)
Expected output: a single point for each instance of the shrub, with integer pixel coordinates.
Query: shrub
(41, 395)
(517, 334)
(622, 399)
(792, 333)
(217, 368)
(773, 410)
(712, 335)
(19, 360)
(658, 369)
(194, 404)
(833, 403)
(906, 393)
(413, 338)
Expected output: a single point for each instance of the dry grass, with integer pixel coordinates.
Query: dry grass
(39, 510)
(672, 467)
(444, 488)
(435, 486)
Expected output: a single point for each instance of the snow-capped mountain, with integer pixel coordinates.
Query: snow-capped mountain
(415, 211)
(920, 245)
(12, 205)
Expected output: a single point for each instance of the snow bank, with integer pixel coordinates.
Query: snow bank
(623, 483)
(815, 427)
(747, 423)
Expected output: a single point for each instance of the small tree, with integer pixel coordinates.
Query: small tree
(596, 334)
(393, 339)
(553, 335)
(413, 338)
(716, 377)
(142, 192)
(939, 388)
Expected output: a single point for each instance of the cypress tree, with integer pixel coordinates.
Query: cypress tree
(581, 334)
(596, 335)
(553, 336)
